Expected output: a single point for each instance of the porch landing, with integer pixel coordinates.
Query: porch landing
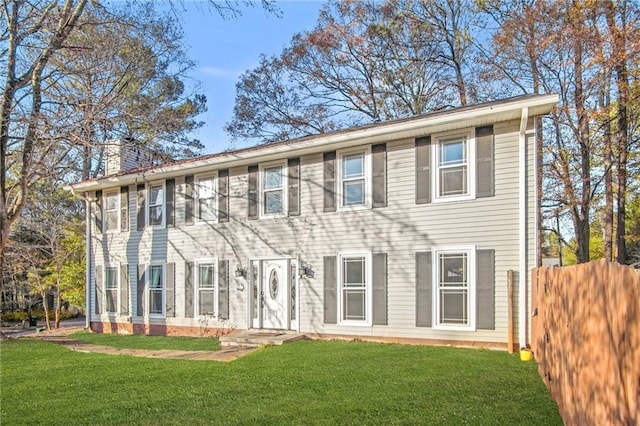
(256, 338)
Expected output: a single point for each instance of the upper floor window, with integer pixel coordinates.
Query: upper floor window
(112, 211)
(354, 178)
(453, 154)
(156, 205)
(273, 189)
(206, 196)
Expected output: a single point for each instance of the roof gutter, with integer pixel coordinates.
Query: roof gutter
(420, 126)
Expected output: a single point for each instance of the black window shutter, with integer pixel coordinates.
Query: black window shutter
(293, 184)
(141, 290)
(98, 212)
(330, 290)
(424, 289)
(124, 289)
(252, 212)
(379, 288)
(223, 195)
(423, 170)
(188, 200)
(170, 292)
(329, 187)
(188, 289)
(379, 174)
(141, 207)
(124, 208)
(223, 289)
(99, 289)
(485, 289)
(171, 204)
(485, 186)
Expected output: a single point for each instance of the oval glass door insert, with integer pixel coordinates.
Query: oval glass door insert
(274, 284)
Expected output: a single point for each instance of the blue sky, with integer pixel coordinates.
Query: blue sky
(224, 49)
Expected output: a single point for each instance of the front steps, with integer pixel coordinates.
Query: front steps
(257, 338)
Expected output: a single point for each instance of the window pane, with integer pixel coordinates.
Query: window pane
(453, 307)
(354, 271)
(353, 165)
(453, 270)
(354, 304)
(452, 152)
(155, 277)
(111, 202)
(206, 209)
(157, 195)
(205, 302)
(112, 297)
(155, 215)
(111, 220)
(111, 277)
(273, 202)
(155, 302)
(254, 279)
(205, 277)
(273, 178)
(453, 181)
(206, 187)
(353, 193)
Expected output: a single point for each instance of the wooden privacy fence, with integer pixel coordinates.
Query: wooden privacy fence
(586, 339)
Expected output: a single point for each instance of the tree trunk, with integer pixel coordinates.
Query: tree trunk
(619, 54)
(45, 307)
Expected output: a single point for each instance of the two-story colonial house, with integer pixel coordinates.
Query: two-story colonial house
(403, 230)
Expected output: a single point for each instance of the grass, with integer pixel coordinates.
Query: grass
(137, 341)
(306, 382)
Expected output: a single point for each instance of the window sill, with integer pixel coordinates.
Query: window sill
(453, 199)
(454, 328)
(354, 324)
(355, 207)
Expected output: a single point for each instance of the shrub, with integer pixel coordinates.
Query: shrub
(17, 316)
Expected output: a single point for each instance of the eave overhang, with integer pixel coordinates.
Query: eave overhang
(457, 118)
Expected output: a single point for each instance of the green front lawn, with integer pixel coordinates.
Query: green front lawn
(139, 341)
(305, 382)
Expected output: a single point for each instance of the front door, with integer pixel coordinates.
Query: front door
(274, 292)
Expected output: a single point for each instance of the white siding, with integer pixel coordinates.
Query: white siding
(401, 229)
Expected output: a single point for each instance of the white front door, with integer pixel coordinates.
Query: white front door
(275, 294)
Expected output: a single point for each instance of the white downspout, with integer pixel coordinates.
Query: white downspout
(522, 229)
(89, 243)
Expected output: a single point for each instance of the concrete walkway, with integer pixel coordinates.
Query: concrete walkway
(61, 337)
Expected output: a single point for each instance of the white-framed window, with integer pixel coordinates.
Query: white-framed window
(354, 292)
(156, 204)
(112, 211)
(273, 189)
(454, 159)
(111, 289)
(206, 196)
(454, 290)
(354, 178)
(206, 297)
(156, 289)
